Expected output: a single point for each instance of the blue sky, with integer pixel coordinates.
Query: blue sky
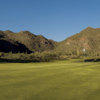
(55, 19)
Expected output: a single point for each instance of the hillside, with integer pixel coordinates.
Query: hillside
(24, 41)
(86, 42)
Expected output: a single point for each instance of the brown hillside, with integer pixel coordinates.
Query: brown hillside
(88, 40)
(28, 41)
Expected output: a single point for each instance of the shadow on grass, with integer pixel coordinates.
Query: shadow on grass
(17, 61)
(92, 60)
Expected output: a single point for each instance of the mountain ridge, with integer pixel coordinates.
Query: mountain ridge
(88, 39)
(30, 41)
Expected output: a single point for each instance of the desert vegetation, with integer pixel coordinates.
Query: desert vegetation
(27, 47)
(33, 57)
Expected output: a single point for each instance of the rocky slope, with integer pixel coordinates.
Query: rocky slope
(87, 41)
(24, 41)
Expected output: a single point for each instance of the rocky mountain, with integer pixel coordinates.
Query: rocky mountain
(87, 41)
(24, 41)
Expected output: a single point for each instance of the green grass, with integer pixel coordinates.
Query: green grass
(59, 80)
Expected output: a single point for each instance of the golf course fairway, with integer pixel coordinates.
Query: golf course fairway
(58, 80)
